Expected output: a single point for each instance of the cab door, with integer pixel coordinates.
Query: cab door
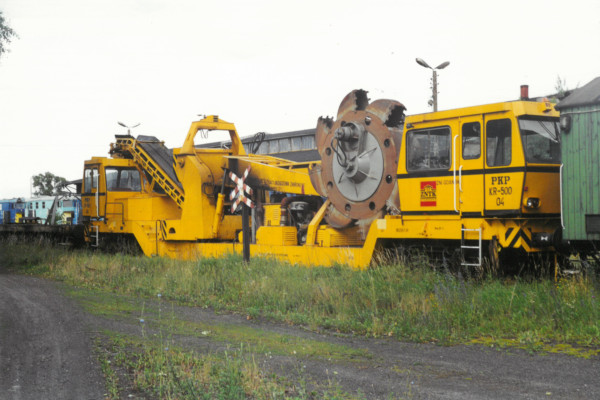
(504, 167)
(471, 168)
(93, 196)
(429, 185)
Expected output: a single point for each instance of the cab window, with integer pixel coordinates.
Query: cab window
(90, 180)
(541, 140)
(498, 142)
(123, 180)
(428, 149)
(471, 141)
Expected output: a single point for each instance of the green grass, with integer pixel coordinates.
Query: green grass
(160, 317)
(110, 375)
(174, 373)
(156, 367)
(417, 304)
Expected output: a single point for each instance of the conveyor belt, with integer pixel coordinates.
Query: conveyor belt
(160, 154)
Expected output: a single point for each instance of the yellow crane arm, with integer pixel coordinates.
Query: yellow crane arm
(272, 173)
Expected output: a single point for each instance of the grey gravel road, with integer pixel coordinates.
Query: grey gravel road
(46, 346)
(46, 352)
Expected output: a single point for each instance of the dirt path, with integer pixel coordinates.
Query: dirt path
(45, 344)
(45, 350)
(423, 371)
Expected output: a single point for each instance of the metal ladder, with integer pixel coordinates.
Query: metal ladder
(94, 234)
(464, 247)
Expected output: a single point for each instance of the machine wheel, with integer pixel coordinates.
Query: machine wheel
(494, 255)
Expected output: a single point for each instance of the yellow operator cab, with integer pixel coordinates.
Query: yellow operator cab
(485, 175)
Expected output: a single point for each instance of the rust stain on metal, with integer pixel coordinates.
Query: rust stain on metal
(355, 100)
(323, 129)
(359, 153)
(391, 112)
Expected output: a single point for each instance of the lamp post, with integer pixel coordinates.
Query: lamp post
(443, 65)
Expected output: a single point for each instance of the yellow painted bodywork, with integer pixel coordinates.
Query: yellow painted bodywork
(192, 218)
(470, 193)
(276, 235)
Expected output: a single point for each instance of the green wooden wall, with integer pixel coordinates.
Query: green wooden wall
(581, 171)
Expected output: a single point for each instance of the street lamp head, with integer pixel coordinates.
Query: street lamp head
(443, 65)
(422, 63)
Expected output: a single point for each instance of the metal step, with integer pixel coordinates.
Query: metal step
(95, 234)
(464, 247)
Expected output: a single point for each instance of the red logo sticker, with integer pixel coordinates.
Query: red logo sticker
(428, 194)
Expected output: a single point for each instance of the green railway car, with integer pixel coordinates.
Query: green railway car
(580, 171)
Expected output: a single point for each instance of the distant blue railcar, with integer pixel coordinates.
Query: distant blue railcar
(70, 209)
(37, 209)
(11, 210)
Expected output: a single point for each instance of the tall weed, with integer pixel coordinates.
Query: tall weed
(394, 299)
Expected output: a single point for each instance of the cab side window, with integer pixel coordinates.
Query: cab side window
(428, 149)
(471, 141)
(90, 180)
(498, 142)
(87, 181)
(123, 180)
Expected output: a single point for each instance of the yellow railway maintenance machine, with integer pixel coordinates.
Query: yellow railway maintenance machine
(481, 180)
(176, 202)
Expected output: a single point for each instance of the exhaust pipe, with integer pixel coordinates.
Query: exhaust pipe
(524, 92)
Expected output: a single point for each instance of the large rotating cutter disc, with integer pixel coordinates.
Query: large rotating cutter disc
(360, 191)
(369, 164)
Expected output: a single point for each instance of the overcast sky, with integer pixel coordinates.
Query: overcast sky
(80, 66)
